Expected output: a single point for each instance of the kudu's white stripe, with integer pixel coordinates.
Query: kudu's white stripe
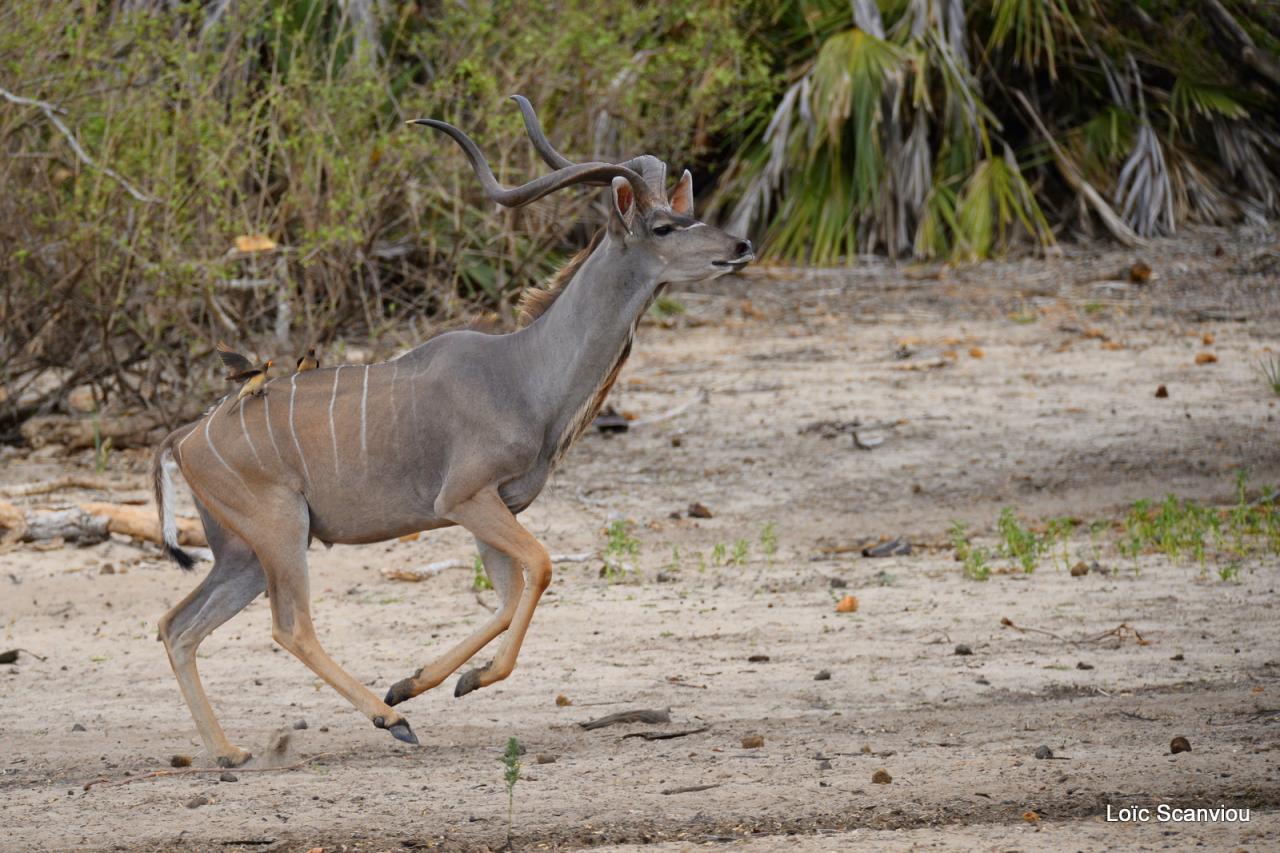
(209, 440)
(333, 430)
(244, 429)
(266, 414)
(395, 422)
(293, 390)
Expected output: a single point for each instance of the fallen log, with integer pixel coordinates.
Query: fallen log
(90, 523)
(141, 522)
(80, 432)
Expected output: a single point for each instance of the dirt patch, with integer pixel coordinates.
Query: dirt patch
(1023, 385)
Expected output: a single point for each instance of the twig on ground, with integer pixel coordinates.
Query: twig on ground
(637, 716)
(689, 789)
(191, 771)
(666, 735)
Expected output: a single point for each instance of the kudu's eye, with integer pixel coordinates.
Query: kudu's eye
(663, 230)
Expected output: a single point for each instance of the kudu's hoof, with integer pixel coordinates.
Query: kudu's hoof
(399, 730)
(400, 691)
(234, 760)
(468, 682)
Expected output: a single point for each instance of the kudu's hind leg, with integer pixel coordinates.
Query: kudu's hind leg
(487, 518)
(235, 580)
(282, 549)
(508, 582)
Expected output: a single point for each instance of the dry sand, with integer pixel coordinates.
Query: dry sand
(1046, 403)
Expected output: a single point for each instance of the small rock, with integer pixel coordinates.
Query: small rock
(78, 728)
(180, 761)
(299, 724)
(1178, 656)
(962, 649)
(1206, 358)
(545, 758)
(1079, 570)
(1043, 752)
(758, 659)
(866, 749)
(1179, 744)
(228, 776)
(824, 764)
(881, 777)
(892, 548)
(823, 675)
(107, 569)
(563, 701)
(753, 741)
(664, 577)
(1139, 273)
(698, 510)
(839, 583)
(1161, 392)
(198, 801)
(676, 441)
(1097, 568)
(1083, 665)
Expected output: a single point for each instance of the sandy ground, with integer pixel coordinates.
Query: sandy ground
(1044, 401)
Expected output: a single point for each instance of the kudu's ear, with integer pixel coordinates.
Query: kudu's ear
(622, 213)
(682, 195)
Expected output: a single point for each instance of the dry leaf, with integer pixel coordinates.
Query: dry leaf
(248, 243)
(1208, 339)
(563, 701)
(1031, 817)
(1162, 392)
(753, 741)
(411, 537)
(848, 604)
(402, 575)
(1094, 332)
(1139, 273)
(976, 352)
(1112, 345)
(1206, 358)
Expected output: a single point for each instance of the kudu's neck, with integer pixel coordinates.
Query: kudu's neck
(571, 350)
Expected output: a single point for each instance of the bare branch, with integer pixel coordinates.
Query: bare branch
(51, 112)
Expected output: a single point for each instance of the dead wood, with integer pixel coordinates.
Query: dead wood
(67, 481)
(80, 432)
(666, 735)
(636, 716)
(70, 525)
(141, 522)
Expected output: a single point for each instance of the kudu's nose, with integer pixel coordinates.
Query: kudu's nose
(743, 248)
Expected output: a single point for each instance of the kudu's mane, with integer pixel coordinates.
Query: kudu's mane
(535, 301)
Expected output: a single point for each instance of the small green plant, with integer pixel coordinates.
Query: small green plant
(975, 559)
(674, 564)
(511, 775)
(1019, 543)
(621, 550)
(718, 554)
(101, 446)
(769, 541)
(739, 556)
(479, 579)
(1269, 367)
(1230, 572)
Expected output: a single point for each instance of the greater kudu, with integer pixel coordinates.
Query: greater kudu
(462, 430)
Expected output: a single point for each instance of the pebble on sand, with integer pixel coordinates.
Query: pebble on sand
(881, 777)
(1179, 744)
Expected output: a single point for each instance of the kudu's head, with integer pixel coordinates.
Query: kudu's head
(656, 228)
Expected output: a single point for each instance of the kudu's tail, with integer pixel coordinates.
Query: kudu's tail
(162, 474)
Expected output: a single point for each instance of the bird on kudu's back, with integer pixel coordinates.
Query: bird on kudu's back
(252, 379)
(308, 361)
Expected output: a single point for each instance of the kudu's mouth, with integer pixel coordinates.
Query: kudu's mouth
(746, 254)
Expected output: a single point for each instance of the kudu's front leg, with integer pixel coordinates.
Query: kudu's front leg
(487, 518)
(508, 582)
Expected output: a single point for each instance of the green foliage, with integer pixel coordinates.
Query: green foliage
(1019, 543)
(740, 549)
(976, 560)
(621, 550)
(719, 552)
(1269, 367)
(511, 775)
(901, 128)
(287, 119)
(769, 540)
(479, 578)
